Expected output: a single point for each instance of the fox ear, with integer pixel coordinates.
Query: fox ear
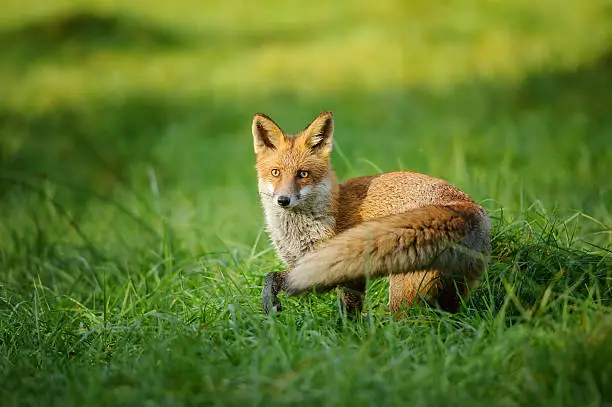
(320, 133)
(266, 134)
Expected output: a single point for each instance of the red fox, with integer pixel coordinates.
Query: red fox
(429, 237)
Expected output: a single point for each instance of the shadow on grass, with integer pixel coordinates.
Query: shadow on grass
(97, 145)
(76, 35)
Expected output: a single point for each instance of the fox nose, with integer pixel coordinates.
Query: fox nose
(283, 200)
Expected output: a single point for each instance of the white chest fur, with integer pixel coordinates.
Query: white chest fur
(296, 231)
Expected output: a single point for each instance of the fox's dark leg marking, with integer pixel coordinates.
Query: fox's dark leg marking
(352, 296)
(273, 284)
(451, 294)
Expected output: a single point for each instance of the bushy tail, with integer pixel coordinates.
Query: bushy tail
(454, 238)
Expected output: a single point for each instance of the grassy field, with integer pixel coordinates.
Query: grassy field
(132, 250)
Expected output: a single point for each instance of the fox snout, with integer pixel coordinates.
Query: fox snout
(285, 197)
(283, 200)
(286, 193)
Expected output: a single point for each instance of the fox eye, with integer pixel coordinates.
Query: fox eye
(303, 174)
(275, 172)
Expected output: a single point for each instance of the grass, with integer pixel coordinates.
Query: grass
(132, 250)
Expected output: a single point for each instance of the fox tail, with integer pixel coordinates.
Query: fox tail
(451, 238)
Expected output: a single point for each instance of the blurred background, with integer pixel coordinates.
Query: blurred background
(121, 122)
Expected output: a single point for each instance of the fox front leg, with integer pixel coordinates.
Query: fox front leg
(273, 283)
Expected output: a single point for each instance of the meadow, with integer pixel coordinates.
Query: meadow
(132, 242)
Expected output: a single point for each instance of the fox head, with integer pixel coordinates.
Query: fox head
(292, 168)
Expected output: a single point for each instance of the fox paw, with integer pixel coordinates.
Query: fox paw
(269, 295)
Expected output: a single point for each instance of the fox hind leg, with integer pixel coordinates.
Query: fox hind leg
(432, 287)
(351, 298)
(452, 292)
(411, 288)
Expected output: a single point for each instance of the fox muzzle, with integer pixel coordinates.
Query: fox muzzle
(283, 200)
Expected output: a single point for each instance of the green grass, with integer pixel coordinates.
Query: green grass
(132, 250)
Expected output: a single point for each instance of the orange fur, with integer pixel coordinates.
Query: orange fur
(429, 236)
